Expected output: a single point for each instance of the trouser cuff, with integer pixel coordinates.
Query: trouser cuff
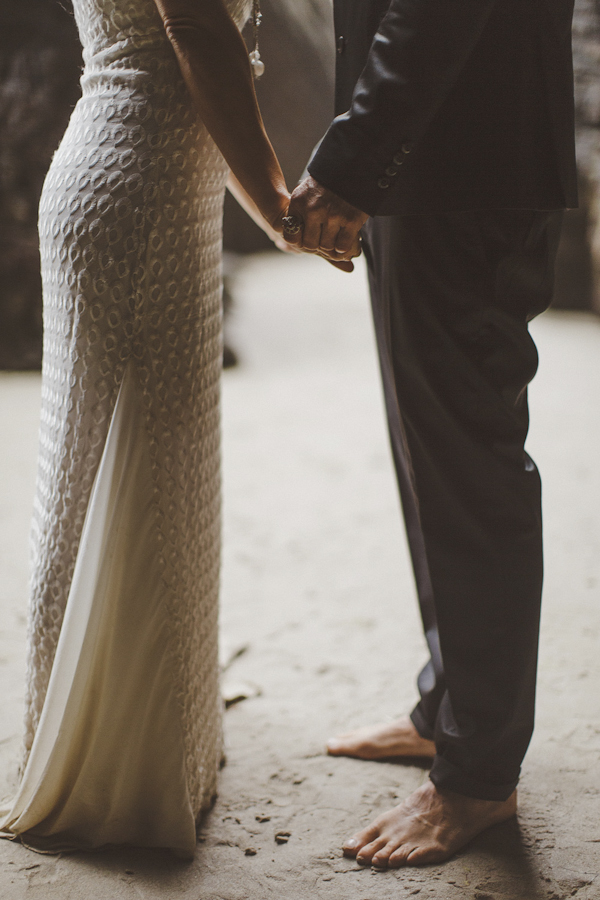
(418, 720)
(447, 776)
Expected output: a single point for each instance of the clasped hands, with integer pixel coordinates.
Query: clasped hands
(329, 226)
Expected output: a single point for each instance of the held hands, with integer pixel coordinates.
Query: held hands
(329, 226)
(318, 221)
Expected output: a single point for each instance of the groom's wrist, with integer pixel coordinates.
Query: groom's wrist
(355, 171)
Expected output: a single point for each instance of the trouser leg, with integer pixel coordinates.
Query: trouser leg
(452, 295)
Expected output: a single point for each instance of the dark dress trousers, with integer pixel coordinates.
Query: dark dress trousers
(454, 131)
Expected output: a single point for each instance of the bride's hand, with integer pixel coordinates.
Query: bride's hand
(270, 221)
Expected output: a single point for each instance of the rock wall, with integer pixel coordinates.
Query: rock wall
(40, 62)
(578, 270)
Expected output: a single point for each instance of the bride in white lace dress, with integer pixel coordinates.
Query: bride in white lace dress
(123, 732)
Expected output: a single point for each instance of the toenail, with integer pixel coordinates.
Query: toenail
(350, 845)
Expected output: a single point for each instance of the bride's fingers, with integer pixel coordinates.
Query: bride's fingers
(275, 219)
(346, 265)
(284, 245)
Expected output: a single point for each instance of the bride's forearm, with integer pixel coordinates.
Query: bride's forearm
(247, 204)
(245, 201)
(214, 62)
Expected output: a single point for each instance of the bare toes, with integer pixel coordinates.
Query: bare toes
(366, 854)
(400, 856)
(335, 746)
(382, 857)
(354, 844)
(431, 853)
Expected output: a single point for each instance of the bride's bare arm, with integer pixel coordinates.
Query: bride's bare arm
(253, 211)
(214, 62)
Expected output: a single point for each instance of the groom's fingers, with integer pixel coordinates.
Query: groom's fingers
(330, 225)
(311, 233)
(356, 249)
(340, 239)
(337, 241)
(347, 240)
(295, 211)
(329, 234)
(293, 239)
(300, 210)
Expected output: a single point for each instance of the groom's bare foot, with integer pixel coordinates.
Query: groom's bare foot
(399, 738)
(429, 827)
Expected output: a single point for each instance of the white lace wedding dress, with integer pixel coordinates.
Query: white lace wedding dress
(123, 730)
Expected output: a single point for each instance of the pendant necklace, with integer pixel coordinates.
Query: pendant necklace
(258, 66)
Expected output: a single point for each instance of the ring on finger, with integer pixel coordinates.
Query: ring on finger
(292, 224)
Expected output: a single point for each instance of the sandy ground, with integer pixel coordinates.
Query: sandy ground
(318, 595)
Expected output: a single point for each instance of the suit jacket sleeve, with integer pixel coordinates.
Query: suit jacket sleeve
(415, 59)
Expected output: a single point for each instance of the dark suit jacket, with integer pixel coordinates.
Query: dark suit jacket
(449, 105)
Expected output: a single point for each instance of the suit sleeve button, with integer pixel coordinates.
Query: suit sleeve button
(407, 147)
(398, 159)
(383, 183)
(391, 171)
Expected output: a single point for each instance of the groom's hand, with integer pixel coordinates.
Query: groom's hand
(331, 226)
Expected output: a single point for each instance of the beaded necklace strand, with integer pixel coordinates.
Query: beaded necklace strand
(258, 66)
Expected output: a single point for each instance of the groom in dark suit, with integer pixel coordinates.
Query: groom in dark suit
(453, 150)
